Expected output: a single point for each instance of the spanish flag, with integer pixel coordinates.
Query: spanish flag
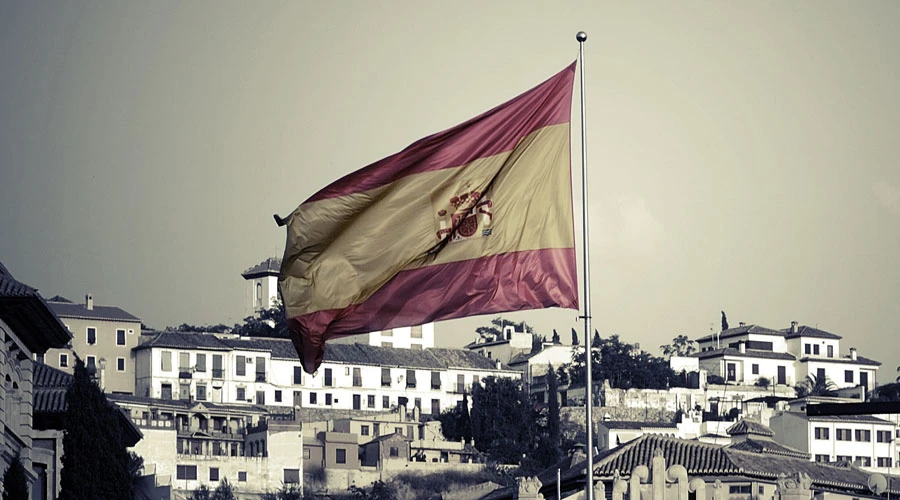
(473, 220)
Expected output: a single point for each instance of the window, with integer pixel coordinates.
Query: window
(328, 378)
(184, 364)
(820, 373)
(340, 456)
(410, 378)
(91, 335)
(120, 337)
(63, 360)
(357, 377)
(376, 429)
(821, 432)
(864, 435)
(260, 369)
(240, 366)
(385, 377)
(165, 391)
(200, 365)
(830, 351)
(415, 347)
(416, 332)
(435, 406)
(460, 383)
(201, 392)
(387, 333)
(844, 458)
(883, 436)
(843, 435)
(260, 397)
(395, 452)
(822, 458)
(864, 461)
(815, 349)
(213, 473)
(387, 344)
(848, 376)
(165, 361)
(807, 349)
(186, 472)
(435, 380)
(739, 489)
(298, 375)
(217, 371)
(277, 396)
(184, 391)
(313, 398)
(298, 398)
(364, 430)
(386, 403)
(327, 399)
(754, 368)
(258, 293)
(370, 401)
(242, 476)
(91, 363)
(417, 402)
(241, 394)
(884, 462)
(292, 476)
(306, 454)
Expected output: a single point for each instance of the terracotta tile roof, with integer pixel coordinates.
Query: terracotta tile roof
(768, 446)
(860, 360)
(268, 267)
(357, 354)
(50, 387)
(703, 459)
(749, 426)
(126, 399)
(29, 316)
(750, 353)
(808, 331)
(742, 330)
(109, 313)
(624, 424)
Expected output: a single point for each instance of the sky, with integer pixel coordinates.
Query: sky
(742, 156)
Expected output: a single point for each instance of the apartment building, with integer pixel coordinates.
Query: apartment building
(265, 371)
(102, 336)
(747, 353)
(864, 440)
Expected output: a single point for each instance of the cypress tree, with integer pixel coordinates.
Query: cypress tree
(95, 456)
(15, 482)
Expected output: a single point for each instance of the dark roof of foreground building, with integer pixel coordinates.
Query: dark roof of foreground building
(80, 311)
(29, 316)
(628, 424)
(749, 426)
(268, 267)
(356, 354)
(767, 446)
(741, 330)
(702, 459)
(749, 353)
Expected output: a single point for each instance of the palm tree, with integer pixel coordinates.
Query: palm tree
(816, 385)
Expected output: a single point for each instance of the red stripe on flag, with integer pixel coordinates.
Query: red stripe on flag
(490, 133)
(488, 285)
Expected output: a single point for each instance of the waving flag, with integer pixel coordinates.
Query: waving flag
(473, 220)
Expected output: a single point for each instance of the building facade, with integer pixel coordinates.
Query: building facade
(749, 353)
(103, 337)
(267, 371)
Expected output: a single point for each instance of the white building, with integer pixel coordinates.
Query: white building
(262, 285)
(503, 347)
(267, 371)
(188, 444)
(745, 354)
(864, 440)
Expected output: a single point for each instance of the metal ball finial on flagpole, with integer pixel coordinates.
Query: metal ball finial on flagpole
(581, 36)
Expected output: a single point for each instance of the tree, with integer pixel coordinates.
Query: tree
(95, 462)
(269, 322)
(502, 422)
(201, 493)
(378, 491)
(185, 327)
(15, 481)
(495, 330)
(537, 343)
(574, 337)
(680, 346)
(595, 342)
(553, 408)
(724, 322)
(818, 385)
(224, 491)
(623, 365)
(763, 382)
(455, 422)
(555, 337)
(887, 392)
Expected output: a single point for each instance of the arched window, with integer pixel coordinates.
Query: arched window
(259, 294)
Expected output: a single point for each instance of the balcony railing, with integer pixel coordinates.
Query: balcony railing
(260, 377)
(184, 373)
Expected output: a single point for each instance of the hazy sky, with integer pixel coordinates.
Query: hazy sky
(743, 155)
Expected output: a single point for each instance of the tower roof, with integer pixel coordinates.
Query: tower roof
(268, 267)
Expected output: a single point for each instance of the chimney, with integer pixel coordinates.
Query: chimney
(742, 323)
(742, 346)
(89, 302)
(499, 365)
(853, 353)
(793, 327)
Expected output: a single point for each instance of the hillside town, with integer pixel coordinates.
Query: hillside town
(203, 409)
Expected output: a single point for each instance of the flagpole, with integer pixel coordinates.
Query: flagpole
(589, 470)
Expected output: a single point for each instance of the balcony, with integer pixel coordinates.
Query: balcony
(218, 373)
(260, 377)
(185, 373)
